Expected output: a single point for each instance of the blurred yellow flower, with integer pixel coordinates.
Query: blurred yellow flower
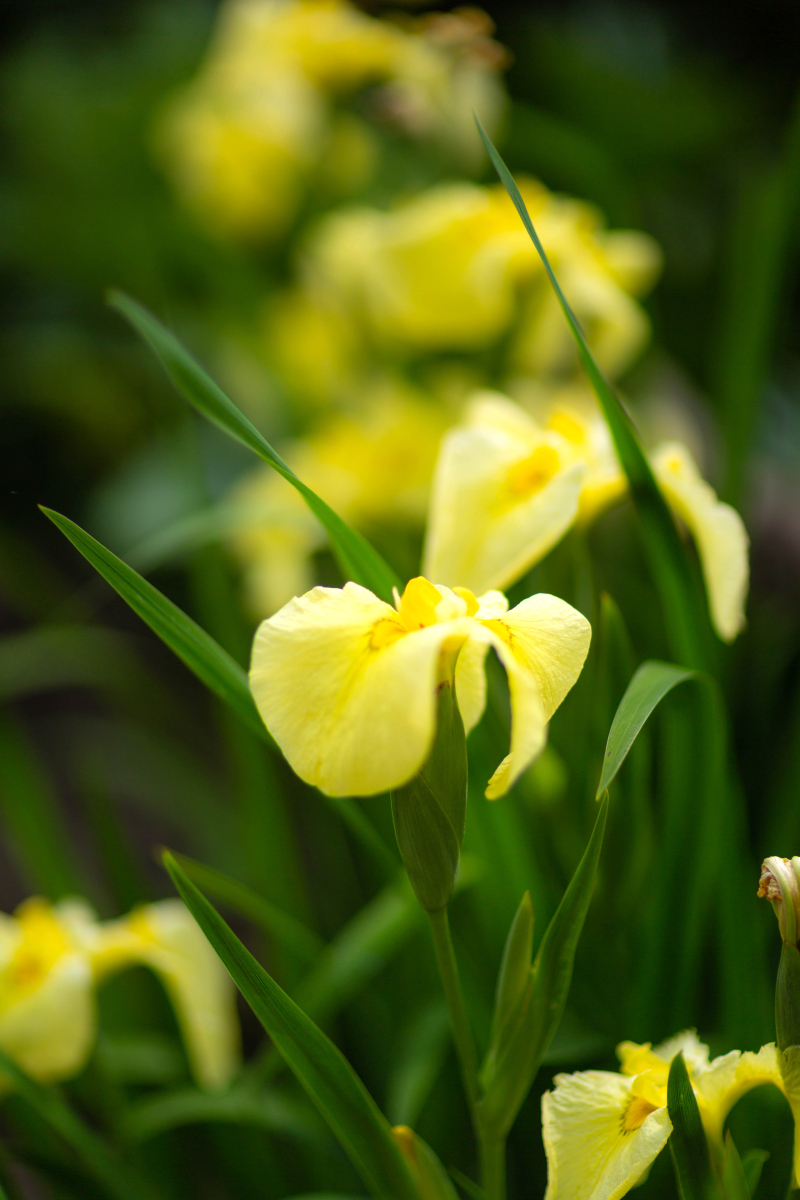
(53, 956)
(346, 684)
(507, 487)
(372, 467)
(239, 141)
(603, 1130)
(447, 270)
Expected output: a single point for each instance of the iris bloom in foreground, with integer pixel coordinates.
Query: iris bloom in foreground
(346, 684)
(507, 488)
(602, 1130)
(53, 956)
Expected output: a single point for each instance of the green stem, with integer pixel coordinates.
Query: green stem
(462, 1034)
(493, 1166)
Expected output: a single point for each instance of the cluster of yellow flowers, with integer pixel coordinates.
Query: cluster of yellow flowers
(52, 957)
(244, 139)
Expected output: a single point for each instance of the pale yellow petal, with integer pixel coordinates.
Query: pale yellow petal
(725, 1080)
(471, 682)
(719, 534)
(49, 1031)
(589, 1155)
(689, 1045)
(542, 643)
(486, 526)
(353, 715)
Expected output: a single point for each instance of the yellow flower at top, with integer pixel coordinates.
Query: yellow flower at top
(346, 684)
(603, 1130)
(241, 140)
(447, 270)
(507, 487)
(53, 956)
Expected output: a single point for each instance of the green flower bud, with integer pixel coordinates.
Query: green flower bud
(430, 811)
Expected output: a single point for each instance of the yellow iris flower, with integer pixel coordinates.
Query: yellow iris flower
(240, 140)
(346, 684)
(447, 269)
(53, 956)
(602, 1130)
(373, 467)
(507, 488)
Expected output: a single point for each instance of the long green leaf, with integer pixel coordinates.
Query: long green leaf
(285, 929)
(648, 687)
(358, 559)
(734, 1179)
(688, 1141)
(517, 1061)
(201, 654)
(680, 596)
(330, 1081)
(118, 1180)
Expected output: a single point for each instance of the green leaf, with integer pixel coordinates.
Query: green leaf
(431, 1179)
(418, 1060)
(752, 1165)
(649, 686)
(201, 654)
(358, 560)
(540, 1012)
(118, 1180)
(512, 980)
(688, 1141)
(320, 1067)
(734, 1180)
(285, 929)
(680, 596)
(269, 1111)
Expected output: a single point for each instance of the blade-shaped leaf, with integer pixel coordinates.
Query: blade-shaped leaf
(285, 929)
(688, 1141)
(680, 595)
(358, 559)
(118, 1180)
(540, 1013)
(324, 1072)
(648, 687)
(734, 1180)
(197, 649)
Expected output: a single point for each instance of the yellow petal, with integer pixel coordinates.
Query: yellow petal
(166, 938)
(49, 1031)
(470, 671)
(590, 1153)
(718, 531)
(722, 1082)
(346, 692)
(502, 497)
(542, 643)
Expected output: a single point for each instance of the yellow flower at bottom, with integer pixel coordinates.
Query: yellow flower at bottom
(346, 684)
(602, 1130)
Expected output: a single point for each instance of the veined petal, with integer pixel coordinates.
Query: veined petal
(542, 643)
(499, 503)
(725, 1080)
(590, 1153)
(346, 691)
(166, 938)
(718, 531)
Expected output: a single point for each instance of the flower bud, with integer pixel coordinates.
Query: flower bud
(780, 884)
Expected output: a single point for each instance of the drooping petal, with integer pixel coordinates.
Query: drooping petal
(591, 1155)
(725, 1080)
(166, 938)
(49, 1030)
(500, 501)
(718, 531)
(470, 667)
(542, 643)
(346, 691)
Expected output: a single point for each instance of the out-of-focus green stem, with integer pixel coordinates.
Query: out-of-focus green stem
(462, 1034)
(493, 1166)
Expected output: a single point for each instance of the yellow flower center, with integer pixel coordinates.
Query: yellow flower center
(569, 426)
(532, 473)
(636, 1113)
(43, 943)
(421, 605)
